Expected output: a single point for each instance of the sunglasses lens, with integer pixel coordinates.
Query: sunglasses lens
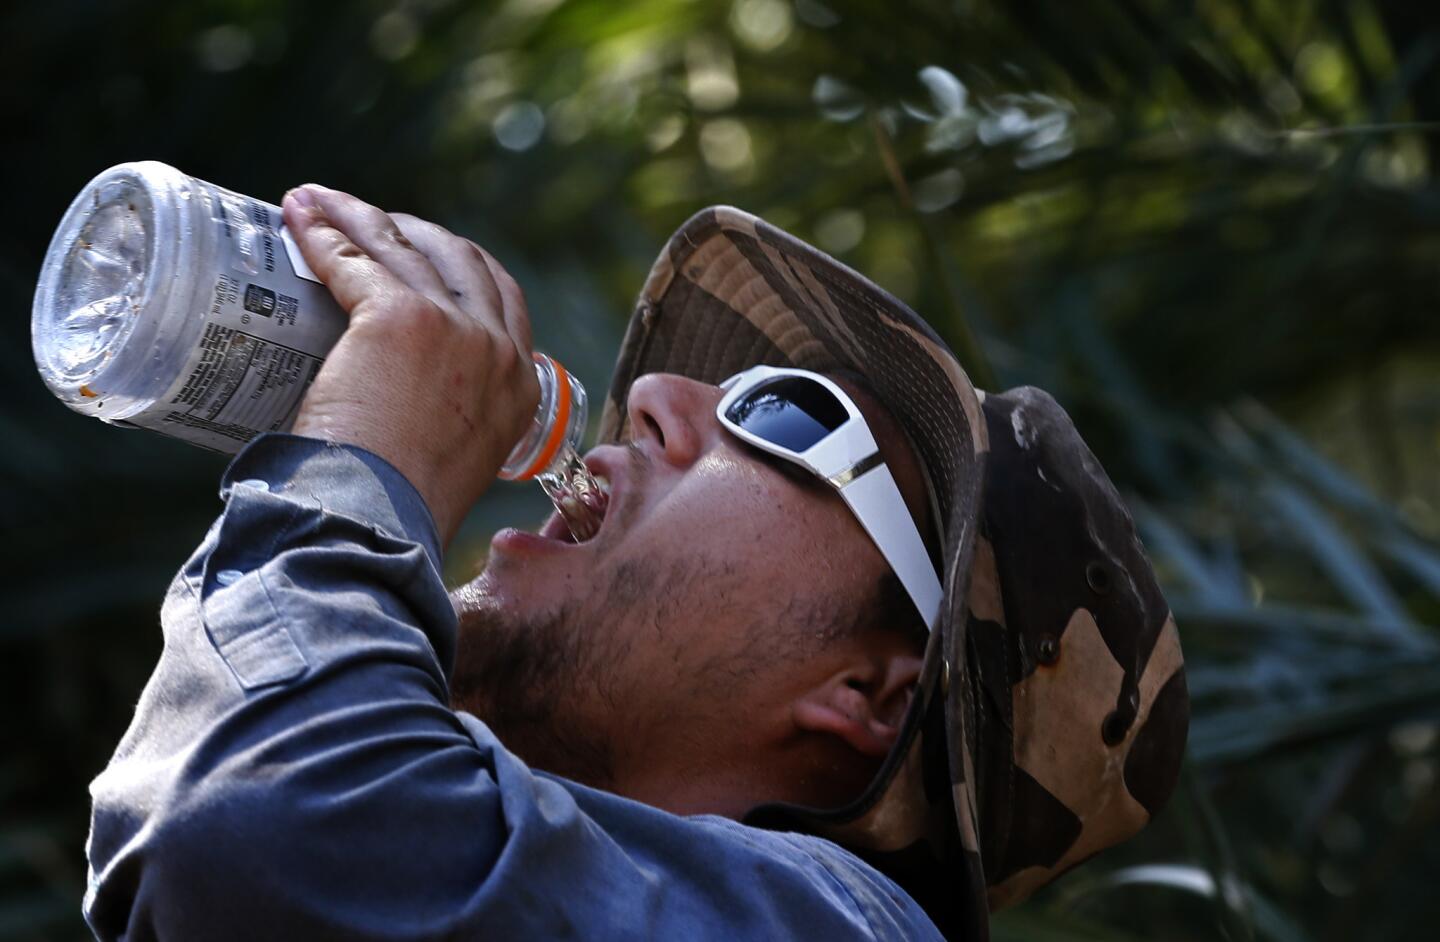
(790, 411)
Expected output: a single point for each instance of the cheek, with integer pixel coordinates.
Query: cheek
(722, 500)
(828, 550)
(774, 532)
(737, 542)
(799, 526)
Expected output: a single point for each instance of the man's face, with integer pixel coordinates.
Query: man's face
(713, 593)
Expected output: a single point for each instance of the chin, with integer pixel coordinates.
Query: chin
(480, 596)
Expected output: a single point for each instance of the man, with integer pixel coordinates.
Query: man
(669, 730)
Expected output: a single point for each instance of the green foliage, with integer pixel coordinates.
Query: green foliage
(1208, 227)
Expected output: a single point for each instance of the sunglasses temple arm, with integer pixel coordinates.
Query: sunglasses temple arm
(876, 502)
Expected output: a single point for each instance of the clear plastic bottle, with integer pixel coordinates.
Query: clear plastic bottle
(168, 303)
(548, 451)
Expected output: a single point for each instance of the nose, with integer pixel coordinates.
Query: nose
(674, 414)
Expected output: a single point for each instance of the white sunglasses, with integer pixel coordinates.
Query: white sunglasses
(805, 418)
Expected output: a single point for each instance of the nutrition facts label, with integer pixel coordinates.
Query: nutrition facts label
(242, 385)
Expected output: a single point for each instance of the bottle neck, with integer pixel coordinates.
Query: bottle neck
(559, 424)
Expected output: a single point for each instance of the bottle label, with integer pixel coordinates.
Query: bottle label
(268, 325)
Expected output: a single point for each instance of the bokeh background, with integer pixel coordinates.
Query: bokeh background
(1210, 228)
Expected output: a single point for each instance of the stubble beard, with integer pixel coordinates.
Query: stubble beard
(528, 680)
(561, 688)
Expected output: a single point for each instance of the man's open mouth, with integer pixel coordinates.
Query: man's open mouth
(555, 528)
(583, 518)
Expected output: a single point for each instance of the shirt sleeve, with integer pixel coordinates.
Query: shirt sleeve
(293, 770)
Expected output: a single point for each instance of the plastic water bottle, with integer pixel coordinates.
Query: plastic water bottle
(175, 305)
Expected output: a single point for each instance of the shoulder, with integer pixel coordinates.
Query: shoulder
(661, 875)
(888, 911)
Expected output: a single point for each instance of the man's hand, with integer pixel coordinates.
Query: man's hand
(434, 373)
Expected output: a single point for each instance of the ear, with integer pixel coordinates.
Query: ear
(863, 704)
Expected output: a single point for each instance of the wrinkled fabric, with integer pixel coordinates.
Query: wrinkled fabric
(292, 770)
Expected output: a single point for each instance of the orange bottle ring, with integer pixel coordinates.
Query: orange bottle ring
(558, 429)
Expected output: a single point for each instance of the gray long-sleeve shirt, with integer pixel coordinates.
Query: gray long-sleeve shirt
(293, 771)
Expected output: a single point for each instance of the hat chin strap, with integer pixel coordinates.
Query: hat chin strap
(895, 809)
(903, 823)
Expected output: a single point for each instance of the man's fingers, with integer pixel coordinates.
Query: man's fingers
(481, 285)
(517, 314)
(465, 273)
(351, 275)
(375, 233)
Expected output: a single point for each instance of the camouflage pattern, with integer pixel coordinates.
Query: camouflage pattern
(1051, 712)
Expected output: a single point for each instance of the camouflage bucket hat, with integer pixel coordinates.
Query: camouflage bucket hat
(1050, 716)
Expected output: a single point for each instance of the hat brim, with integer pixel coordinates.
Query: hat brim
(730, 291)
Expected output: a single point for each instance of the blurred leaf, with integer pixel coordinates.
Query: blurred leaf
(1271, 923)
(1350, 570)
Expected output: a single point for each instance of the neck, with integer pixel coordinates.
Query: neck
(795, 767)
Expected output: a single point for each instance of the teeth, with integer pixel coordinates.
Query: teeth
(604, 483)
(582, 513)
